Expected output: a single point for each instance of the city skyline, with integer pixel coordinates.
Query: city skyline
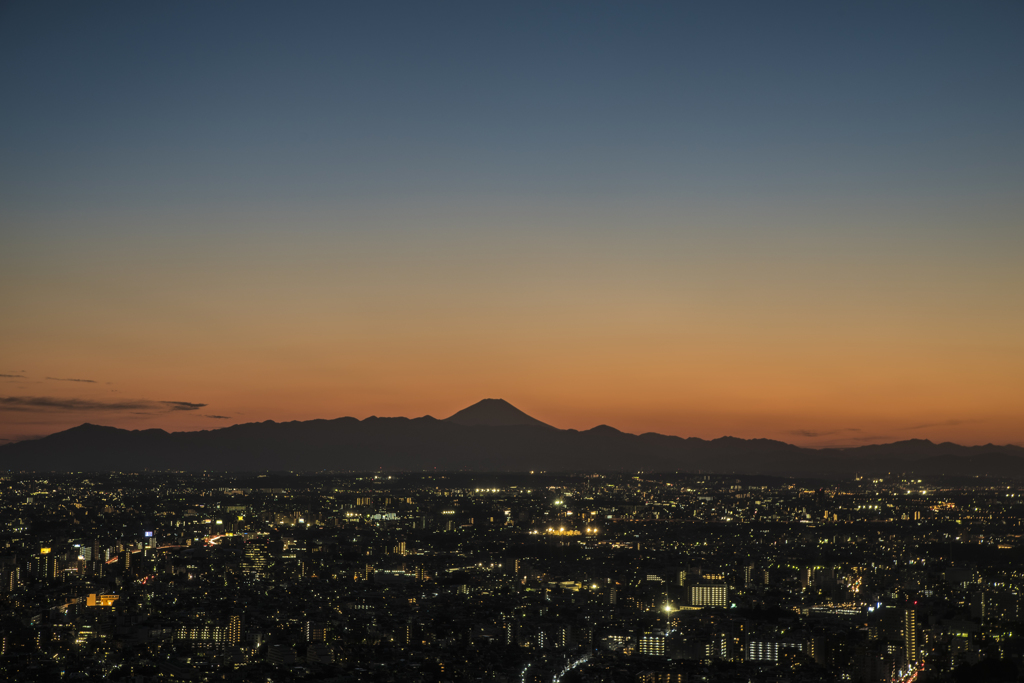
(532, 577)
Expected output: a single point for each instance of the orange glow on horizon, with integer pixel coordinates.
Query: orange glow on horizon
(837, 352)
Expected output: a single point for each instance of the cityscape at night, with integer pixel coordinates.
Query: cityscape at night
(518, 578)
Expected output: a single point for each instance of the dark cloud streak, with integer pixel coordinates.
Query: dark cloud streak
(49, 403)
(71, 379)
(183, 405)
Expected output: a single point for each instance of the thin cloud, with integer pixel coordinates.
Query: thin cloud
(70, 379)
(217, 417)
(183, 405)
(74, 404)
(49, 403)
(12, 376)
(944, 423)
(814, 434)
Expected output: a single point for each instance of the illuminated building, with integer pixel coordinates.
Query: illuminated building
(910, 634)
(652, 644)
(748, 575)
(762, 651)
(662, 677)
(709, 595)
(768, 650)
(256, 565)
(315, 631)
(125, 560)
(95, 600)
(562, 637)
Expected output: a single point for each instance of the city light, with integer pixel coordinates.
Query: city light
(337, 549)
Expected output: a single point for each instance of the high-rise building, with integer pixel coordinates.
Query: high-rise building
(748, 574)
(910, 634)
(412, 633)
(11, 579)
(817, 648)
(709, 595)
(995, 607)
(718, 647)
(562, 636)
(125, 560)
(511, 632)
(256, 564)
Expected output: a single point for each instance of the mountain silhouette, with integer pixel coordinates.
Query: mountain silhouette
(491, 435)
(494, 412)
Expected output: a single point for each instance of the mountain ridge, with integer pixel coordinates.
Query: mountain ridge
(491, 435)
(494, 412)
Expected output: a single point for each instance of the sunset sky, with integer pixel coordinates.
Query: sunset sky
(795, 220)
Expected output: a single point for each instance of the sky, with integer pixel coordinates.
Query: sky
(793, 220)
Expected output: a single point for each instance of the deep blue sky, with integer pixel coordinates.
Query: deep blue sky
(224, 102)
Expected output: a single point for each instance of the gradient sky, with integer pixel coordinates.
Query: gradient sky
(794, 220)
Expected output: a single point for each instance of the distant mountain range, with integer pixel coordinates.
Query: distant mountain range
(491, 435)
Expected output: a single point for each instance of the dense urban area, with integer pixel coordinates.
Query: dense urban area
(517, 578)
